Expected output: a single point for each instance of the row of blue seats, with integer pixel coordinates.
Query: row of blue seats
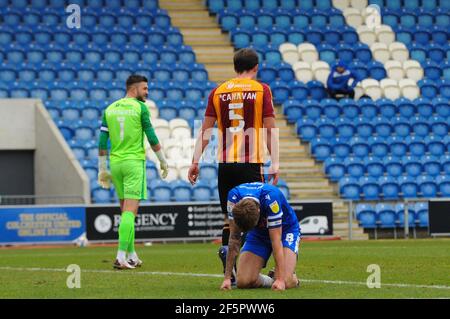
(119, 67)
(430, 89)
(365, 143)
(163, 194)
(118, 39)
(264, 19)
(37, 57)
(216, 6)
(109, 20)
(371, 120)
(359, 146)
(67, 74)
(179, 190)
(392, 216)
(283, 91)
(421, 35)
(192, 90)
(431, 52)
(60, 94)
(411, 4)
(259, 38)
(377, 167)
(332, 109)
(101, 105)
(369, 188)
(101, 5)
(411, 17)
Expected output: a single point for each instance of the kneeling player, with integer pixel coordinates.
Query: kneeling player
(272, 226)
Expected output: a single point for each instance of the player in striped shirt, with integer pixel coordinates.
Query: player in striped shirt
(243, 110)
(271, 224)
(125, 122)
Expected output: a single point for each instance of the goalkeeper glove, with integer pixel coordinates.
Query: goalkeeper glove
(104, 177)
(162, 164)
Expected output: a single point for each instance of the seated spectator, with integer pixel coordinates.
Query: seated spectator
(338, 81)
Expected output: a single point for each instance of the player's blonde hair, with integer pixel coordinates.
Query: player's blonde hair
(246, 214)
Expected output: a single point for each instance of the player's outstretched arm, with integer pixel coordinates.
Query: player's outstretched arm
(278, 255)
(233, 251)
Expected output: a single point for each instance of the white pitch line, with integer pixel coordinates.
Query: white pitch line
(187, 274)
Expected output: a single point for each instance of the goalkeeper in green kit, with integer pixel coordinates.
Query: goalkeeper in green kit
(125, 122)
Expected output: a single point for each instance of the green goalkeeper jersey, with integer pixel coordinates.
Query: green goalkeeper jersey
(125, 122)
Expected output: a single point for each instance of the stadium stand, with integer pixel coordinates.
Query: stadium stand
(389, 145)
(383, 146)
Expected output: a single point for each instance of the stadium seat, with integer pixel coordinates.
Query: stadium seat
(181, 191)
(390, 87)
(427, 186)
(398, 51)
(100, 195)
(366, 216)
(317, 90)
(400, 215)
(321, 148)
(299, 90)
(201, 192)
(386, 215)
(334, 168)
(374, 167)
(369, 187)
(281, 91)
(393, 166)
(444, 185)
(353, 17)
(321, 71)
(372, 88)
(428, 88)
(161, 190)
(354, 167)
(421, 210)
(349, 188)
(366, 34)
(303, 71)
(409, 89)
(307, 52)
(408, 186)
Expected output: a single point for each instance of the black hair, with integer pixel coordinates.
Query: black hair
(245, 60)
(135, 78)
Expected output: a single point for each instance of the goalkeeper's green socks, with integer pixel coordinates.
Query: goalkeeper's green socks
(126, 234)
(130, 248)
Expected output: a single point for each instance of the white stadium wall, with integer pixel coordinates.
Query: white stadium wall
(25, 124)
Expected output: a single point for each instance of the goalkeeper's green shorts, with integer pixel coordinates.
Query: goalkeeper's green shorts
(129, 179)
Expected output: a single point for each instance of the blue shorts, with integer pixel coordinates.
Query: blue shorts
(260, 244)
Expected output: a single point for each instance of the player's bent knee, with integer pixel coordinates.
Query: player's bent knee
(246, 283)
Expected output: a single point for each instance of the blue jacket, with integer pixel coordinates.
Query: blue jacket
(339, 81)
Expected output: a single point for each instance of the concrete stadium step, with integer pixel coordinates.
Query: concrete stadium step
(302, 162)
(186, 5)
(200, 31)
(312, 184)
(313, 195)
(214, 55)
(210, 39)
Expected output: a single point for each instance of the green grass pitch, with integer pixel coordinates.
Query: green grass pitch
(327, 269)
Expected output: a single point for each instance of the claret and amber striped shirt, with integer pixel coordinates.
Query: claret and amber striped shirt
(240, 105)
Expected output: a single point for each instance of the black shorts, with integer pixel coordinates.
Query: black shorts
(233, 174)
